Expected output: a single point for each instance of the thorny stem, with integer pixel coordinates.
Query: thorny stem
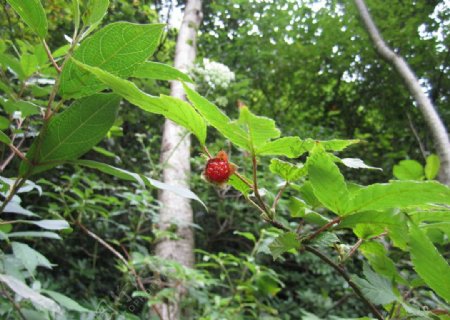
(347, 278)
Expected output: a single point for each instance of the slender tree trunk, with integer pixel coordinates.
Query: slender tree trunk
(432, 118)
(175, 157)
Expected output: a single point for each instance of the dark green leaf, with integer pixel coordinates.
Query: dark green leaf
(73, 132)
(4, 138)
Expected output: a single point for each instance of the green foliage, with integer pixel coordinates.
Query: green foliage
(290, 243)
(118, 48)
(32, 12)
(429, 263)
(73, 132)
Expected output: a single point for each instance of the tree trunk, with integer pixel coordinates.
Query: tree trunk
(432, 118)
(175, 157)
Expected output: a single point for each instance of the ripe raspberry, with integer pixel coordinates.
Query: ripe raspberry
(218, 170)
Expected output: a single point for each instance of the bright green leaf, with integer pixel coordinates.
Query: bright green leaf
(259, 129)
(378, 257)
(432, 166)
(118, 48)
(408, 170)
(218, 119)
(327, 181)
(159, 71)
(34, 234)
(398, 194)
(429, 263)
(288, 171)
(95, 11)
(176, 110)
(32, 12)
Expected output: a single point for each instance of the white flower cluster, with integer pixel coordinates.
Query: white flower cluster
(215, 74)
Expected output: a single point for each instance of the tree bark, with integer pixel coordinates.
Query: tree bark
(175, 157)
(432, 118)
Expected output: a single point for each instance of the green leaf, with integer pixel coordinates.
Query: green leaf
(429, 216)
(408, 170)
(432, 166)
(50, 224)
(25, 107)
(34, 234)
(398, 194)
(325, 240)
(239, 185)
(4, 123)
(76, 13)
(429, 263)
(95, 11)
(73, 132)
(26, 292)
(290, 147)
(259, 129)
(159, 71)
(176, 110)
(380, 220)
(12, 63)
(327, 181)
(378, 257)
(4, 138)
(15, 207)
(376, 288)
(65, 301)
(218, 119)
(288, 171)
(29, 257)
(284, 243)
(294, 147)
(32, 12)
(118, 48)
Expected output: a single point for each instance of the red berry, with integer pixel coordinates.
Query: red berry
(218, 169)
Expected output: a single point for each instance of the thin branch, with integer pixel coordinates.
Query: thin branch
(5, 163)
(324, 227)
(416, 135)
(49, 55)
(347, 278)
(255, 187)
(278, 196)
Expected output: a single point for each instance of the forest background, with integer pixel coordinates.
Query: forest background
(311, 67)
